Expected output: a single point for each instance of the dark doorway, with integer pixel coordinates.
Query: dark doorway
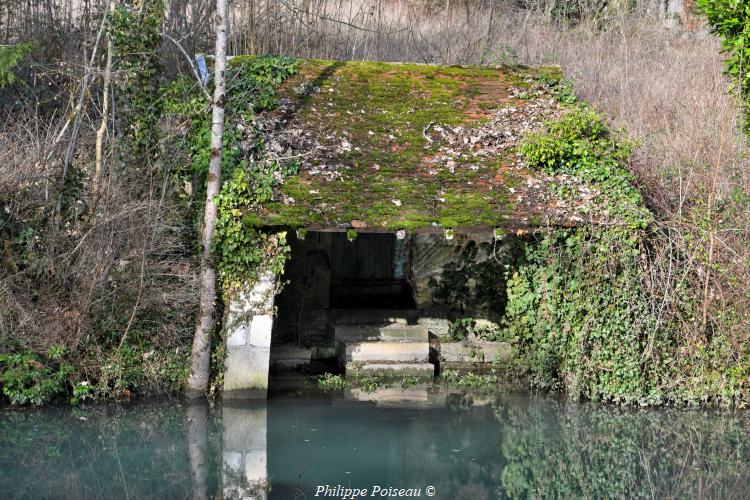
(369, 272)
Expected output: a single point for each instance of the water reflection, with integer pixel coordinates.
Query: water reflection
(245, 469)
(572, 450)
(197, 416)
(515, 447)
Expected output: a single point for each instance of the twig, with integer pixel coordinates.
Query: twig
(424, 131)
(79, 108)
(192, 66)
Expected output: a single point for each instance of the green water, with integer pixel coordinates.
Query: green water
(517, 447)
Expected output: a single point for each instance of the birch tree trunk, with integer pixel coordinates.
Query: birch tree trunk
(205, 324)
(103, 125)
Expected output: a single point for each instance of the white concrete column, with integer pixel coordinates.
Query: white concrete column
(245, 452)
(249, 326)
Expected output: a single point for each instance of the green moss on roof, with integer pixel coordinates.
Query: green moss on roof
(405, 146)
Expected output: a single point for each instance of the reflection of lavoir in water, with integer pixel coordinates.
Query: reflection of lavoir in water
(244, 464)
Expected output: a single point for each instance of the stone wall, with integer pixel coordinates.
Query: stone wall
(304, 304)
(305, 300)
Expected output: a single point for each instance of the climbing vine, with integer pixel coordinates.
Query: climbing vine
(730, 19)
(576, 304)
(136, 37)
(251, 177)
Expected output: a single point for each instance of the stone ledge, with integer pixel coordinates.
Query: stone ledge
(401, 352)
(475, 352)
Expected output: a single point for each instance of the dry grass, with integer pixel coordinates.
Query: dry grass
(663, 87)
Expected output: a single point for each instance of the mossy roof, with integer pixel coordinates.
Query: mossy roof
(388, 146)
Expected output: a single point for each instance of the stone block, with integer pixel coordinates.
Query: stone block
(237, 336)
(394, 333)
(417, 397)
(290, 357)
(373, 316)
(396, 352)
(246, 372)
(260, 331)
(324, 352)
(479, 352)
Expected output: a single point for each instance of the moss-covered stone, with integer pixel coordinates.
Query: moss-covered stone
(405, 146)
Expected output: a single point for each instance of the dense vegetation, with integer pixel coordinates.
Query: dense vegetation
(98, 238)
(730, 19)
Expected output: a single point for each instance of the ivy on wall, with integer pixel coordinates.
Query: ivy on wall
(250, 179)
(137, 40)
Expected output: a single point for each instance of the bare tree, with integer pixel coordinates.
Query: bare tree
(201, 356)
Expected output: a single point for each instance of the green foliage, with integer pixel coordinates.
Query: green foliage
(730, 19)
(467, 328)
(249, 183)
(331, 382)
(253, 81)
(26, 379)
(82, 391)
(579, 144)
(470, 380)
(579, 301)
(370, 384)
(136, 37)
(473, 281)
(460, 329)
(589, 344)
(10, 58)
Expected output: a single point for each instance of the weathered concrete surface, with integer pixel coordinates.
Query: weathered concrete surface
(395, 352)
(245, 469)
(429, 253)
(479, 352)
(249, 327)
(389, 333)
(288, 357)
(421, 371)
(373, 316)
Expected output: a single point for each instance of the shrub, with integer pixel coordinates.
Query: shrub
(25, 379)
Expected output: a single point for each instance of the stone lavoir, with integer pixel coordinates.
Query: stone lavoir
(409, 203)
(374, 306)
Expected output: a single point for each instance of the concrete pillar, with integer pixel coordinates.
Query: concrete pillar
(245, 462)
(249, 326)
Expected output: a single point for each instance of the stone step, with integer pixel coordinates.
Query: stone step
(389, 333)
(421, 371)
(373, 316)
(288, 357)
(389, 352)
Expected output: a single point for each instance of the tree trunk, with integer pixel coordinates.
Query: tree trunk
(670, 12)
(103, 125)
(205, 324)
